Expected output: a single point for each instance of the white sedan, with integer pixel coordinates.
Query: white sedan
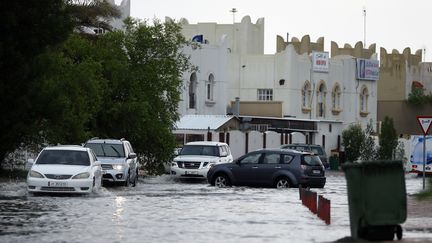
(64, 169)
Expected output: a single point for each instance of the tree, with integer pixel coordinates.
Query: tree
(388, 140)
(27, 29)
(352, 139)
(143, 68)
(368, 148)
(68, 92)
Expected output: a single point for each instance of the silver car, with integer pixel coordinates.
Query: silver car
(118, 160)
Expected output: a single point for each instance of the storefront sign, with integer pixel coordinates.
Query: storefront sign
(320, 62)
(367, 69)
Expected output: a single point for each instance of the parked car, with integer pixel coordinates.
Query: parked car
(196, 158)
(280, 168)
(316, 149)
(64, 169)
(118, 160)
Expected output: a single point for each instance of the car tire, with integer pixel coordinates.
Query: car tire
(282, 182)
(221, 180)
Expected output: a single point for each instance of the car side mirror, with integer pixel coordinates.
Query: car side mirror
(97, 163)
(176, 152)
(29, 164)
(132, 156)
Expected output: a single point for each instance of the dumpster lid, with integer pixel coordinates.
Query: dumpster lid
(361, 164)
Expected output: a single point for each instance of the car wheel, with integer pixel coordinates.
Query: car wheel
(221, 180)
(282, 182)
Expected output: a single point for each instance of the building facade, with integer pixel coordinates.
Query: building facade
(299, 83)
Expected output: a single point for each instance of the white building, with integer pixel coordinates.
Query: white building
(285, 85)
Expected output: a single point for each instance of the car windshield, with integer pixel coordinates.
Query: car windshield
(63, 157)
(107, 149)
(200, 150)
(310, 160)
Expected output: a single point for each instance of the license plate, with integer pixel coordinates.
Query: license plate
(316, 171)
(191, 172)
(57, 184)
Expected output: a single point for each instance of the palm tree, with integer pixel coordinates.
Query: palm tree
(92, 14)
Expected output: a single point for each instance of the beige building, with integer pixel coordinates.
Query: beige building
(400, 73)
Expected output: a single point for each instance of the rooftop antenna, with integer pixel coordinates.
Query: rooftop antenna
(233, 11)
(364, 26)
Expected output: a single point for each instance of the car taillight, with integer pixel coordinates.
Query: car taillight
(414, 166)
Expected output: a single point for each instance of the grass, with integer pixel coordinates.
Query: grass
(426, 194)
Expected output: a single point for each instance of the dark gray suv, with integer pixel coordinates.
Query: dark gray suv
(280, 168)
(316, 149)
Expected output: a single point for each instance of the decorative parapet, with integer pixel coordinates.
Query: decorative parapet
(358, 50)
(301, 47)
(390, 59)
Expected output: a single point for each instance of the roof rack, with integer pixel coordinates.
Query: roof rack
(93, 138)
(122, 139)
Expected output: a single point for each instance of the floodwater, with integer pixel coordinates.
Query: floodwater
(161, 209)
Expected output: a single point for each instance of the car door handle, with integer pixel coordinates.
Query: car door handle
(277, 167)
(254, 167)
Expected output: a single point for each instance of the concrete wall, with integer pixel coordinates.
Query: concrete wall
(404, 115)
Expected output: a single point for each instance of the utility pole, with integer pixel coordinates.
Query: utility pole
(364, 26)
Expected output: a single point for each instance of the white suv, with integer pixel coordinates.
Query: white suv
(118, 160)
(196, 158)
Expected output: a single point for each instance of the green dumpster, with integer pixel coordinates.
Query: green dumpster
(334, 163)
(376, 198)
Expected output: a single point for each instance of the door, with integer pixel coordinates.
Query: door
(247, 169)
(269, 166)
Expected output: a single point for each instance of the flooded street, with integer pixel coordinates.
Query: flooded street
(160, 209)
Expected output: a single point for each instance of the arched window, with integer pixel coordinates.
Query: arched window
(364, 95)
(321, 99)
(306, 95)
(192, 91)
(336, 98)
(210, 87)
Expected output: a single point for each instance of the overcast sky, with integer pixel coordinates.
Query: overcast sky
(392, 24)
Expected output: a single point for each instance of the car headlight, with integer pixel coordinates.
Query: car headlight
(174, 164)
(208, 165)
(118, 167)
(83, 175)
(35, 174)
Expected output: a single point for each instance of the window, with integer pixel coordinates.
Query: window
(271, 159)
(364, 95)
(336, 96)
(210, 87)
(321, 99)
(192, 91)
(306, 95)
(251, 159)
(287, 158)
(107, 149)
(265, 94)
